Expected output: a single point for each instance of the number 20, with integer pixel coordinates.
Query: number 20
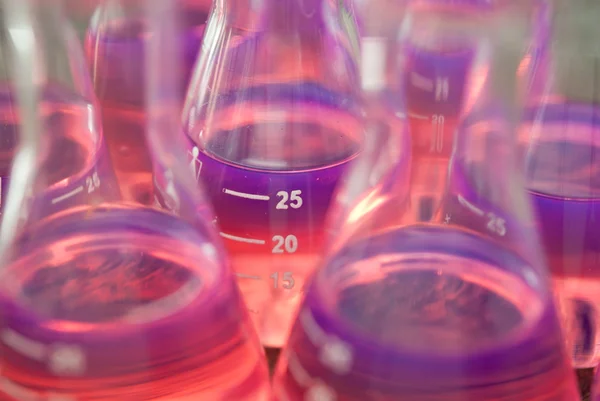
(293, 197)
(289, 243)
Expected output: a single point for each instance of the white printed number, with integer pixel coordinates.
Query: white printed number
(287, 280)
(437, 133)
(295, 201)
(496, 224)
(442, 87)
(92, 182)
(288, 244)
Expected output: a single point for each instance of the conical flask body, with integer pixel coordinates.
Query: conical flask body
(559, 141)
(112, 299)
(115, 45)
(272, 119)
(442, 305)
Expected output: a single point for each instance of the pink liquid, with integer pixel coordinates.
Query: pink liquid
(116, 54)
(273, 251)
(74, 168)
(270, 180)
(129, 313)
(275, 241)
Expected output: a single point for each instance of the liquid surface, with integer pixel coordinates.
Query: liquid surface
(562, 151)
(436, 308)
(270, 181)
(400, 317)
(125, 311)
(74, 167)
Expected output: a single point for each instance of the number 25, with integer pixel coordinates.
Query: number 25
(293, 197)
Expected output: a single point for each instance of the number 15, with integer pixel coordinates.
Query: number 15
(288, 280)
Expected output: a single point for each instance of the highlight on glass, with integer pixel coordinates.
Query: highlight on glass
(434, 287)
(273, 120)
(105, 298)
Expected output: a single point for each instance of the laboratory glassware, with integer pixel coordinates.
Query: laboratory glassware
(115, 44)
(272, 119)
(434, 77)
(560, 140)
(72, 120)
(116, 300)
(449, 305)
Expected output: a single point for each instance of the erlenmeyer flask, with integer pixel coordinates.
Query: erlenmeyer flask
(115, 45)
(272, 119)
(560, 139)
(434, 77)
(441, 309)
(77, 155)
(117, 301)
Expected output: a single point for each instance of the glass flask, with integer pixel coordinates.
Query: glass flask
(115, 45)
(434, 76)
(449, 304)
(273, 120)
(115, 300)
(71, 117)
(559, 139)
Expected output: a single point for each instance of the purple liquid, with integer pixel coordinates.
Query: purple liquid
(116, 54)
(438, 77)
(131, 312)
(425, 313)
(76, 168)
(563, 168)
(270, 182)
